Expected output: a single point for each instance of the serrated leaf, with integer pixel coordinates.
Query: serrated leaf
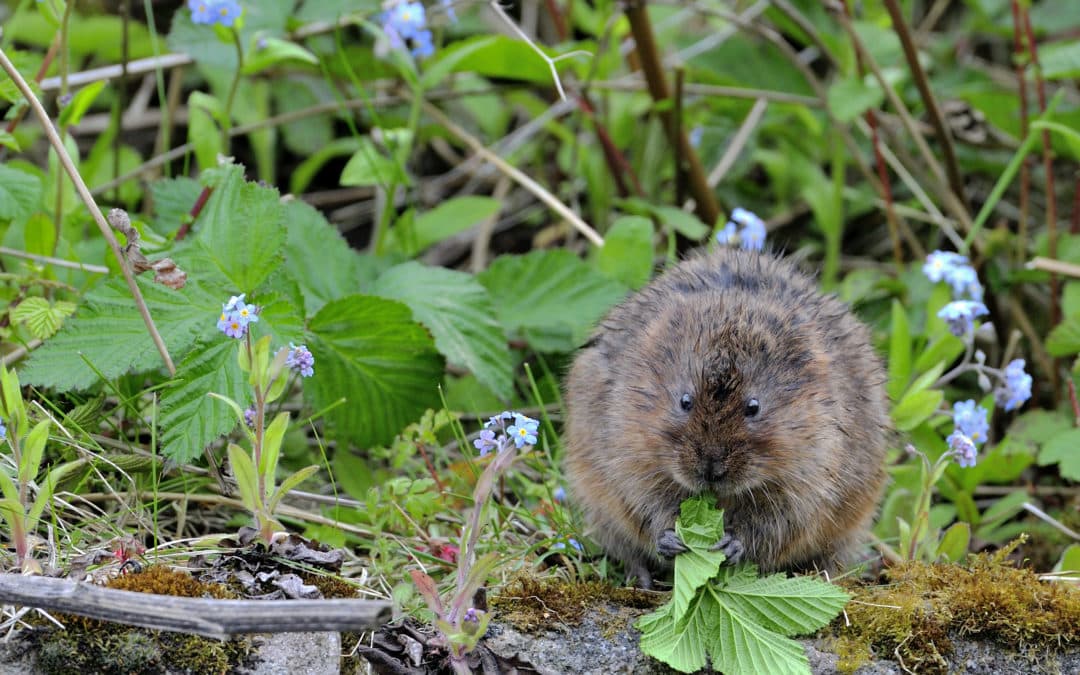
(552, 298)
(174, 198)
(190, 419)
(737, 645)
(371, 352)
(627, 253)
(109, 333)
(242, 228)
(318, 257)
(20, 193)
(790, 606)
(680, 644)
(42, 319)
(460, 315)
(1062, 450)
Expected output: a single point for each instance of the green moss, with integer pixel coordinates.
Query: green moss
(914, 615)
(92, 646)
(533, 604)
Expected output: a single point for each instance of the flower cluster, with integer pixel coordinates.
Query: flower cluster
(236, 316)
(405, 24)
(300, 360)
(498, 435)
(1015, 386)
(744, 229)
(953, 269)
(971, 427)
(960, 316)
(209, 12)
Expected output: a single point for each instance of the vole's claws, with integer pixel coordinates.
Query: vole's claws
(669, 545)
(730, 547)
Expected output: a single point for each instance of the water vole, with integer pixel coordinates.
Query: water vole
(730, 374)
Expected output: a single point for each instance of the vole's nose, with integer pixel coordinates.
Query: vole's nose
(714, 470)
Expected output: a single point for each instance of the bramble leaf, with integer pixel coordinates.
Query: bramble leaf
(318, 257)
(42, 318)
(460, 315)
(369, 351)
(551, 298)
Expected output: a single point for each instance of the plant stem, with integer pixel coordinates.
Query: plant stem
(226, 122)
(707, 207)
(95, 212)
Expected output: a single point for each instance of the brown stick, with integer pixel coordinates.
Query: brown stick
(956, 183)
(91, 206)
(707, 208)
(196, 616)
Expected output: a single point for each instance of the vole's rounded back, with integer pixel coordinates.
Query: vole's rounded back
(729, 374)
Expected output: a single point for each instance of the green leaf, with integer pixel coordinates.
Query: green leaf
(852, 96)
(954, 543)
(270, 51)
(445, 220)
(683, 222)
(927, 379)
(916, 408)
(1062, 450)
(460, 315)
(306, 170)
(73, 112)
(42, 319)
(318, 257)
(46, 488)
(190, 419)
(738, 644)
(27, 63)
(790, 606)
(1064, 339)
(108, 332)
(173, 200)
(242, 228)
(291, 482)
(1070, 560)
(8, 488)
(33, 450)
(551, 298)
(680, 644)
(370, 351)
(244, 471)
(369, 166)
(899, 351)
(1060, 60)
(944, 349)
(273, 435)
(204, 115)
(627, 253)
(20, 193)
(8, 141)
(497, 56)
(699, 525)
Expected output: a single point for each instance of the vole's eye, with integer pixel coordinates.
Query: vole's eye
(686, 402)
(752, 407)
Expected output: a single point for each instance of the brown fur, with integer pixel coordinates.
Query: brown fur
(798, 482)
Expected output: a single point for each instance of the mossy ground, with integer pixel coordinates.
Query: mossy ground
(915, 616)
(92, 646)
(533, 604)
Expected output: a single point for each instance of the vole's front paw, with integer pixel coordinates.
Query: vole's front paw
(730, 547)
(669, 545)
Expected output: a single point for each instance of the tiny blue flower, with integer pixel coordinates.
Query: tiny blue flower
(729, 236)
(486, 442)
(523, 431)
(3, 431)
(940, 263)
(1016, 388)
(407, 18)
(448, 7)
(422, 45)
(209, 12)
(249, 416)
(753, 235)
(560, 545)
(559, 494)
(246, 313)
(231, 325)
(963, 449)
(499, 420)
(300, 360)
(971, 420)
(695, 136)
(964, 281)
(960, 315)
